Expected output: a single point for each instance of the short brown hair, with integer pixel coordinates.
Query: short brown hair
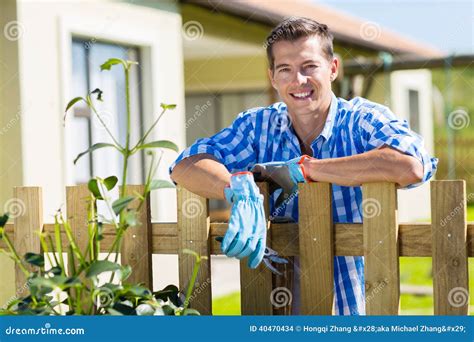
(294, 28)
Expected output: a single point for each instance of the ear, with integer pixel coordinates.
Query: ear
(334, 68)
(270, 76)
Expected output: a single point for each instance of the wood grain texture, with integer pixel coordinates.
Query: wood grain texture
(382, 274)
(137, 243)
(26, 208)
(316, 244)
(193, 234)
(256, 284)
(449, 236)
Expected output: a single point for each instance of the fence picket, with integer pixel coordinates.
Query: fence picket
(256, 284)
(449, 234)
(316, 240)
(137, 248)
(28, 220)
(382, 275)
(193, 234)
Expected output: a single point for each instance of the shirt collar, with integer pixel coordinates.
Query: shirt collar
(328, 126)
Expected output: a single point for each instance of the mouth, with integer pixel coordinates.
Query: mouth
(302, 95)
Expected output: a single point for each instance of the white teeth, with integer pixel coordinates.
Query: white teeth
(302, 94)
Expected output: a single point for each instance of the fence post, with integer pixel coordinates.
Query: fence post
(137, 249)
(194, 234)
(316, 240)
(256, 284)
(27, 211)
(380, 227)
(449, 247)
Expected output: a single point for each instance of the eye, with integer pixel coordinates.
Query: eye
(311, 66)
(284, 69)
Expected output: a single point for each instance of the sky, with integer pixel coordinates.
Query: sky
(446, 25)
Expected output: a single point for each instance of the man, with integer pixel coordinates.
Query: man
(346, 143)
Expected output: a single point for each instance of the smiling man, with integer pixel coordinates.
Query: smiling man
(310, 136)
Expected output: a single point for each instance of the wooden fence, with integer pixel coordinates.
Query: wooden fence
(449, 239)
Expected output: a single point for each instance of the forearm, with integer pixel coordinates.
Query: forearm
(379, 165)
(203, 175)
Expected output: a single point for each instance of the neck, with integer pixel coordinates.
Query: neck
(309, 126)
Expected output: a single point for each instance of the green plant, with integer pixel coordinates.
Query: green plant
(78, 287)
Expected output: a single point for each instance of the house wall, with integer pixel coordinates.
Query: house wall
(43, 64)
(414, 204)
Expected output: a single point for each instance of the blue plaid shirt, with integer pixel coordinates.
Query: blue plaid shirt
(265, 134)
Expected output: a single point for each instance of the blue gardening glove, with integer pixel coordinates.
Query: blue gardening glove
(247, 232)
(286, 174)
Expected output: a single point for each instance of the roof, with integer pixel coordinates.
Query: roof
(345, 28)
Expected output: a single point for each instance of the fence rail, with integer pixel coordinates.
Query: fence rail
(316, 239)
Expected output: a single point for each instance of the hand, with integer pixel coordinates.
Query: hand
(286, 174)
(247, 232)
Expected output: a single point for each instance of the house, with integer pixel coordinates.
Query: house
(205, 56)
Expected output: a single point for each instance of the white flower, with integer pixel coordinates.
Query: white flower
(145, 310)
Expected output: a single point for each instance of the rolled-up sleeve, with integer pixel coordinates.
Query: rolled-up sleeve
(233, 146)
(378, 126)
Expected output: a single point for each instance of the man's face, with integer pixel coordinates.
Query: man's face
(302, 75)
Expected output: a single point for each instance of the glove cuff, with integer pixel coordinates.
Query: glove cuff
(229, 192)
(303, 171)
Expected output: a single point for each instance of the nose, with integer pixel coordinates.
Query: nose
(300, 78)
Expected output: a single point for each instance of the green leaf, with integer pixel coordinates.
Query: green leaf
(168, 106)
(125, 272)
(191, 312)
(110, 62)
(170, 292)
(73, 102)
(93, 148)
(160, 144)
(93, 187)
(4, 220)
(168, 310)
(34, 259)
(131, 218)
(98, 92)
(160, 184)
(121, 203)
(56, 270)
(110, 182)
(138, 291)
(124, 309)
(100, 266)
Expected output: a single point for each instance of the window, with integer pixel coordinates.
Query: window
(84, 129)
